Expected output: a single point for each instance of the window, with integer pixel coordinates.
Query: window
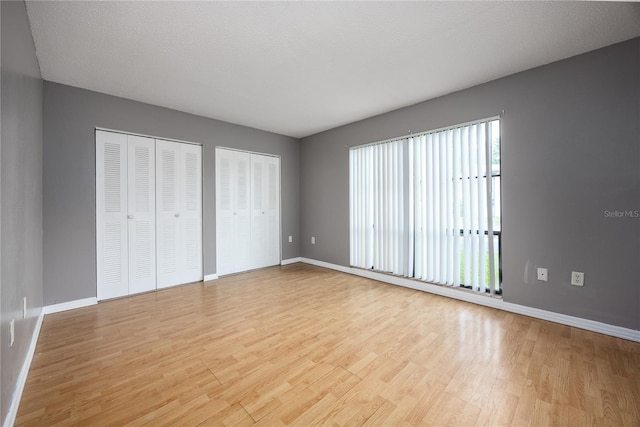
(428, 206)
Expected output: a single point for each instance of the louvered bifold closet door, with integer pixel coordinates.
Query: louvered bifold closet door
(272, 209)
(233, 211)
(265, 208)
(178, 213)
(259, 239)
(168, 237)
(141, 216)
(225, 220)
(190, 220)
(111, 215)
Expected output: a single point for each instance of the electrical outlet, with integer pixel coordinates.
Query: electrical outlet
(313, 240)
(24, 307)
(290, 239)
(543, 274)
(577, 278)
(12, 331)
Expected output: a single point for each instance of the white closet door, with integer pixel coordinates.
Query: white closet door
(247, 211)
(272, 210)
(259, 238)
(226, 246)
(141, 215)
(178, 213)
(169, 238)
(242, 200)
(111, 215)
(265, 210)
(190, 220)
(233, 213)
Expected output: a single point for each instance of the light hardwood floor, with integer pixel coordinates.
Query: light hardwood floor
(302, 345)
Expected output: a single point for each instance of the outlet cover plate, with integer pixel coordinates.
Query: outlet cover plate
(543, 275)
(577, 278)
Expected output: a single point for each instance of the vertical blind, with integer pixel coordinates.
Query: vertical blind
(424, 206)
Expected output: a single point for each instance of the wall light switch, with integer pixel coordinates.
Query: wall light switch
(542, 274)
(290, 239)
(313, 240)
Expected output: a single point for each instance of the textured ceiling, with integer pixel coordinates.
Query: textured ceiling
(298, 68)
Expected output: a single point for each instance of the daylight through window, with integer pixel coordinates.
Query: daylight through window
(428, 206)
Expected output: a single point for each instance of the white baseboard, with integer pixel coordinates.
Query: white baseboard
(69, 305)
(208, 277)
(486, 300)
(24, 371)
(327, 265)
(290, 261)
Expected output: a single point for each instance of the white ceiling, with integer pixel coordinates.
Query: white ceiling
(298, 68)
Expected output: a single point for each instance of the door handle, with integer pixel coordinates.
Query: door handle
(130, 216)
(177, 215)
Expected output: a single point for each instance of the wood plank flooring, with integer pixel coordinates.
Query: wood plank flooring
(301, 345)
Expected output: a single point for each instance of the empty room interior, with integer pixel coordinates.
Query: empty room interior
(320, 213)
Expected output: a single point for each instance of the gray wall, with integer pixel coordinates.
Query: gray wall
(21, 193)
(570, 151)
(70, 116)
